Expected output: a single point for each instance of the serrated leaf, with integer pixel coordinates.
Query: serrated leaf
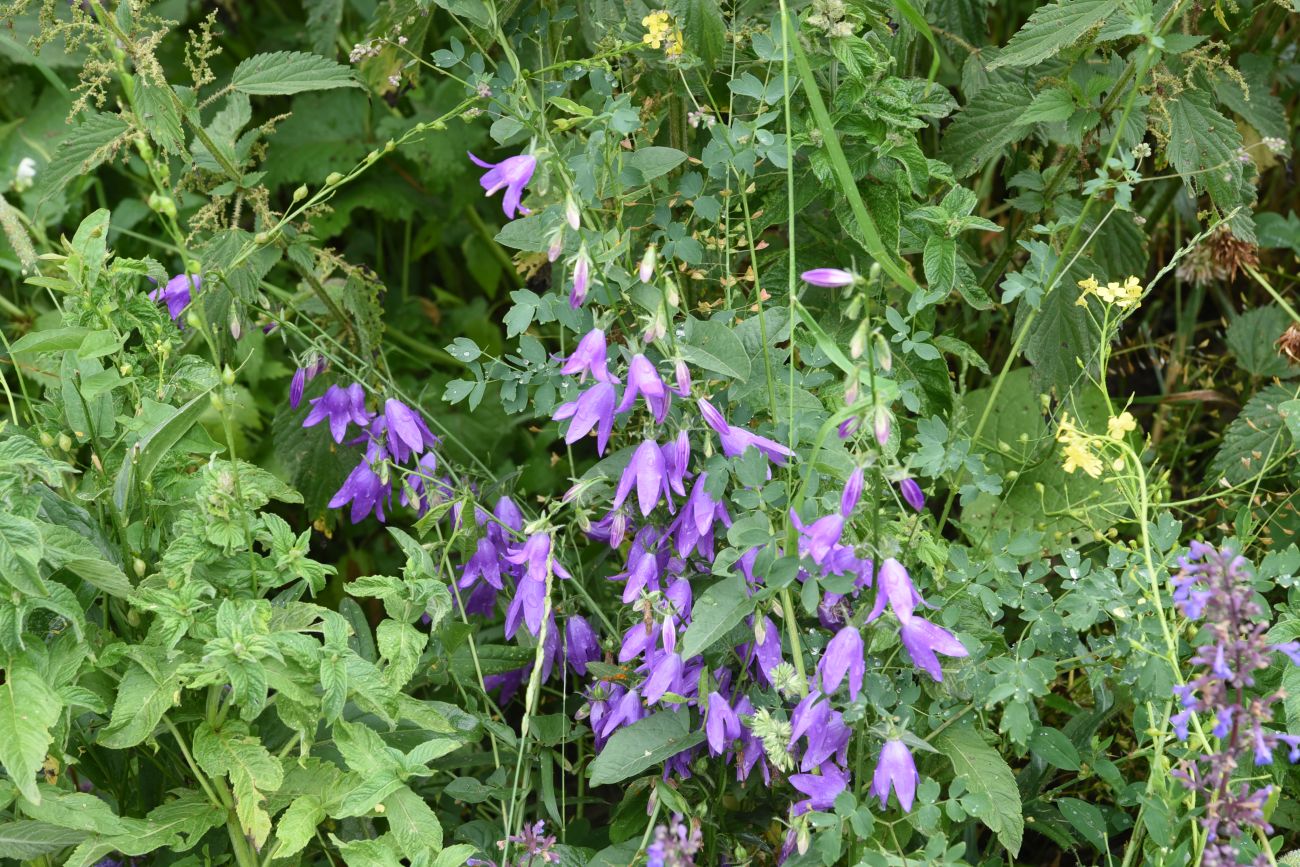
(84, 149)
(20, 551)
(142, 699)
(1252, 337)
(285, 72)
(715, 613)
(1257, 435)
(401, 645)
(29, 708)
(158, 113)
(253, 772)
(64, 548)
(297, 825)
(1203, 147)
(940, 261)
(1051, 28)
(984, 772)
(412, 822)
(644, 744)
(144, 455)
(1053, 104)
(990, 121)
(716, 348)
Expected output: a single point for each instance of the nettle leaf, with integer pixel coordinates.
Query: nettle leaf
(253, 772)
(1252, 337)
(29, 708)
(1051, 28)
(285, 72)
(990, 121)
(1256, 437)
(28, 839)
(1203, 147)
(992, 794)
(84, 149)
(644, 744)
(401, 645)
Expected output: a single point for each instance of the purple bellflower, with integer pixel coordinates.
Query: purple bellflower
(581, 278)
(341, 406)
(512, 175)
(830, 278)
(365, 489)
(912, 494)
(675, 845)
(894, 588)
(844, 655)
(590, 356)
(818, 539)
(736, 440)
(895, 770)
(648, 471)
(822, 789)
(580, 644)
(407, 432)
(722, 726)
(852, 492)
(922, 639)
(593, 410)
(644, 381)
(176, 294)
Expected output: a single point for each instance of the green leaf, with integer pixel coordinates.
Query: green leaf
(1051, 105)
(142, 699)
(715, 347)
(157, 111)
(20, 551)
(412, 822)
(284, 72)
(1087, 819)
(653, 162)
(253, 772)
(51, 340)
(1051, 28)
(715, 613)
(401, 645)
(64, 548)
(1052, 746)
(990, 121)
(297, 825)
(1258, 435)
(1252, 337)
(29, 708)
(940, 261)
(145, 454)
(454, 856)
(1203, 147)
(704, 29)
(987, 777)
(1062, 342)
(644, 744)
(26, 839)
(83, 150)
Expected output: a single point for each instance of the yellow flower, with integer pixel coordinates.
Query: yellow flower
(1120, 425)
(660, 33)
(1078, 457)
(1089, 287)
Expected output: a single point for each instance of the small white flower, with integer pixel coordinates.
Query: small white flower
(25, 175)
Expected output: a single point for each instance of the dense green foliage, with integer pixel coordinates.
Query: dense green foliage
(1062, 344)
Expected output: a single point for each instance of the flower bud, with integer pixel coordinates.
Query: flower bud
(192, 319)
(884, 355)
(217, 403)
(858, 343)
(557, 247)
(125, 369)
(882, 425)
(333, 179)
(228, 375)
(47, 439)
(65, 442)
(300, 193)
(571, 213)
(139, 566)
(236, 328)
(648, 264)
(683, 379)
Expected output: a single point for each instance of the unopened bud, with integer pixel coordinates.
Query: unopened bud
(217, 403)
(333, 179)
(648, 264)
(139, 566)
(882, 425)
(571, 213)
(236, 328)
(557, 247)
(858, 343)
(192, 319)
(884, 355)
(65, 442)
(228, 375)
(47, 439)
(300, 193)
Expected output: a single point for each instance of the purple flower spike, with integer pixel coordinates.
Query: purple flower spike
(822, 789)
(895, 770)
(512, 175)
(644, 381)
(911, 492)
(722, 726)
(831, 278)
(594, 408)
(852, 492)
(650, 474)
(736, 440)
(176, 294)
(341, 406)
(590, 356)
(407, 432)
(843, 655)
(922, 639)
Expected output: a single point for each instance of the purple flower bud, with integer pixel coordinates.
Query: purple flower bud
(296, 386)
(581, 278)
(911, 492)
(580, 645)
(572, 214)
(881, 425)
(512, 175)
(643, 380)
(895, 770)
(830, 278)
(556, 247)
(683, 379)
(852, 492)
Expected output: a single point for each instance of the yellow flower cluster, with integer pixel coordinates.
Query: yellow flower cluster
(1125, 295)
(1077, 446)
(660, 33)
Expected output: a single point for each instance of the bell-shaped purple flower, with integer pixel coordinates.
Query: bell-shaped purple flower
(512, 175)
(644, 381)
(895, 770)
(529, 604)
(594, 409)
(852, 492)
(340, 406)
(677, 459)
(922, 639)
(580, 644)
(830, 278)
(912, 493)
(176, 294)
(364, 489)
(722, 726)
(818, 539)
(407, 432)
(822, 789)
(736, 440)
(844, 655)
(664, 673)
(894, 588)
(649, 473)
(589, 356)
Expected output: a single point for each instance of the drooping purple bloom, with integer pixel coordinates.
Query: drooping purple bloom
(830, 278)
(590, 356)
(581, 278)
(822, 789)
(677, 458)
(535, 554)
(665, 671)
(818, 539)
(341, 406)
(722, 726)
(736, 440)
(894, 587)
(895, 769)
(594, 409)
(644, 381)
(922, 639)
(365, 489)
(511, 174)
(683, 375)
(912, 493)
(528, 604)
(176, 294)
(580, 645)
(852, 492)
(844, 655)
(407, 432)
(649, 473)
(824, 741)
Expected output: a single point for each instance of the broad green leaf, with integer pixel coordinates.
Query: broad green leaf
(84, 149)
(79, 811)
(704, 29)
(1051, 28)
(1053, 747)
(716, 348)
(990, 121)
(178, 825)
(252, 770)
(714, 614)
(1290, 412)
(644, 744)
(158, 113)
(64, 548)
(27, 839)
(940, 261)
(652, 162)
(297, 825)
(284, 72)
(1051, 105)
(1087, 819)
(401, 645)
(1203, 147)
(986, 776)
(142, 699)
(412, 822)
(51, 340)
(1252, 337)
(1256, 437)
(29, 708)
(454, 856)
(20, 551)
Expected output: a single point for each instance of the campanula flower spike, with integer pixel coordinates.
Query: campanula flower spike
(512, 175)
